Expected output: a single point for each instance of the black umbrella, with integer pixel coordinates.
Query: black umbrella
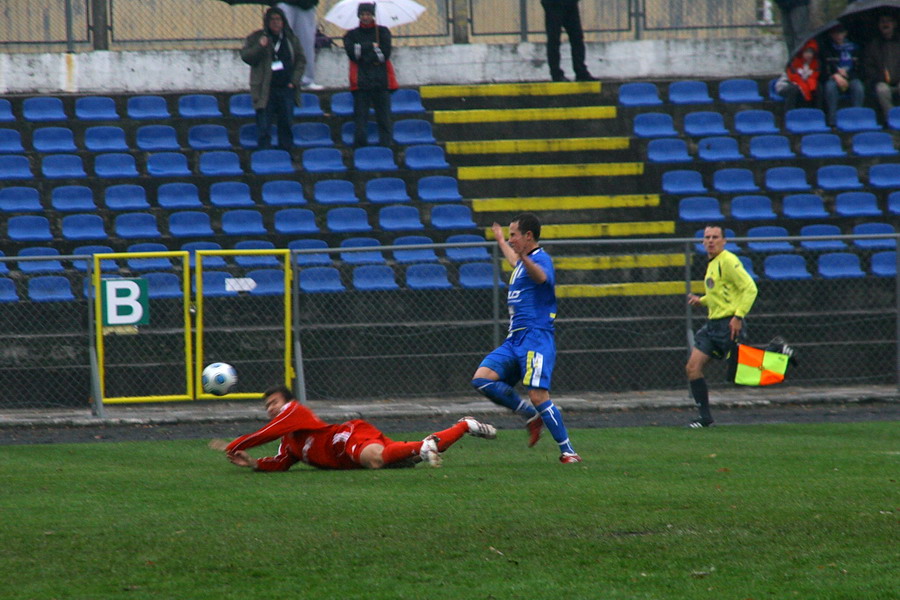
(861, 18)
(819, 35)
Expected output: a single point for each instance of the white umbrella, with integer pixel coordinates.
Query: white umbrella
(389, 13)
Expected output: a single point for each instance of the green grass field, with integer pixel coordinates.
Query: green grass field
(779, 511)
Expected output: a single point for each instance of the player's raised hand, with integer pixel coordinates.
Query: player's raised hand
(498, 232)
(218, 445)
(242, 459)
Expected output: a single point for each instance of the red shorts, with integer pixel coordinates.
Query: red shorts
(361, 434)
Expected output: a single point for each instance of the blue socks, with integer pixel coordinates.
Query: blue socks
(504, 395)
(553, 422)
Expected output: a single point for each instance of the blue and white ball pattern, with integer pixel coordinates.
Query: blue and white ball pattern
(218, 379)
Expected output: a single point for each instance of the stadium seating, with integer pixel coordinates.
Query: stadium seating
(840, 265)
(873, 143)
(805, 120)
(44, 108)
(210, 261)
(342, 104)
(335, 191)
(115, 165)
(689, 92)
(348, 131)
(96, 108)
(189, 223)
(683, 182)
(8, 291)
(14, 167)
(477, 276)
(400, 217)
(295, 221)
(105, 138)
(19, 199)
(11, 141)
(168, 164)
(311, 259)
(786, 179)
(309, 106)
(370, 278)
(106, 265)
(241, 105)
(406, 101)
(748, 266)
(821, 245)
(734, 181)
(40, 266)
(147, 107)
(874, 229)
(470, 254)
(884, 264)
(6, 114)
(208, 137)
(639, 94)
(386, 190)
(718, 148)
(752, 208)
(821, 145)
(838, 177)
(271, 162)
(155, 138)
(247, 137)
(427, 277)
(347, 220)
(269, 282)
(163, 285)
(668, 150)
(452, 216)
(199, 106)
(230, 194)
(150, 263)
(769, 246)
(413, 131)
(739, 91)
(50, 288)
(83, 227)
(28, 228)
(220, 163)
(893, 203)
(323, 160)
(317, 280)
(857, 204)
(214, 284)
(786, 267)
(61, 166)
(857, 119)
(177, 196)
(254, 261)
(137, 225)
(654, 125)
(704, 123)
(414, 255)
(374, 158)
(755, 122)
(362, 257)
(310, 135)
(438, 188)
(72, 198)
(425, 157)
(243, 222)
(283, 193)
(53, 139)
(699, 208)
(893, 120)
(126, 197)
(882, 175)
(803, 206)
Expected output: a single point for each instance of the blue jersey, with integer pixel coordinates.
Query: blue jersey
(532, 305)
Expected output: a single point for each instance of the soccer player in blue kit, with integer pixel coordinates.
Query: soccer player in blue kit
(529, 352)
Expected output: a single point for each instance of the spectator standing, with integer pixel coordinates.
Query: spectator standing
(882, 63)
(794, 21)
(371, 75)
(276, 67)
(301, 17)
(799, 84)
(841, 66)
(559, 14)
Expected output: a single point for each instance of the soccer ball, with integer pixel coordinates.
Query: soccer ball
(218, 379)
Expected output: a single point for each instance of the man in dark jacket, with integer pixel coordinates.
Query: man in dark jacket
(276, 67)
(371, 77)
(794, 22)
(882, 63)
(559, 14)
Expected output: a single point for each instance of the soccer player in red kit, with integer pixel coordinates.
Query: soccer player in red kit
(355, 444)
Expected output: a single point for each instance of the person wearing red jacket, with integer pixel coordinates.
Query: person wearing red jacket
(799, 84)
(355, 444)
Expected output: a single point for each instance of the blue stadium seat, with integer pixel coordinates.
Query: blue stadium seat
(319, 280)
(399, 217)
(406, 102)
(241, 106)
(427, 277)
(189, 223)
(470, 254)
(362, 257)
(53, 139)
(40, 266)
(269, 282)
(252, 261)
(639, 94)
(96, 108)
(734, 181)
(739, 90)
(452, 216)
(478, 275)
(413, 131)
(311, 259)
(755, 122)
(19, 199)
(309, 106)
(772, 246)
(115, 165)
(199, 106)
(689, 92)
(215, 262)
(178, 196)
(805, 120)
(11, 141)
(803, 206)
(840, 265)
(208, 137)
(414, 255)
(140, 226)
(106, 265)
(8, 291)
(147, 107)
(668, 150)
(821, 145)
(372, 278)
(385, 190)
(438, 188)
(718, 148)
(884, 264)
(683, 182)
(220, 163)
(126, 197)
(873, 143)
(72, 198)
(323, 160)
(425, 157)
(6, 114)
(214, 284)
(748, 266)
(348, 219)
(105, 138)
(28, 228)
(374, 158)
(311, 135)
(771, 147)
(14, 166)
(857, 118)
(821, 230)
(283, 193)
(50, 288)
(163, 285)
(230, 194)
(699, 208)
(83, 228)
(838, 177)
(247, 137)
(168, 164)
(61, 166)
(295, 221)
(893, 119)
(704, 123)
(243, 222)
(880, 176)
(874, 229)
(150, 263)
(893, 203)
(752, 208)
(786, 179)
(348, 130)
(154, 138)
(44, 108)
(335, 191)
(783, 267)
(4, 269)
(342, 104)
(269, 162)
(654, 125)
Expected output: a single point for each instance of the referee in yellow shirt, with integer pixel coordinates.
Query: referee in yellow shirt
(730, 292)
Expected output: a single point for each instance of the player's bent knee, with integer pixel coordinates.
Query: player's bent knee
(372, 456)
(481, 383)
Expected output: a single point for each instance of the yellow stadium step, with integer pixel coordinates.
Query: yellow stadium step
(617, 261)
(599, 230)
(511, 89)
(534, 204)
(501, 115)
(549, 171)
(545, 145)
(605, 290)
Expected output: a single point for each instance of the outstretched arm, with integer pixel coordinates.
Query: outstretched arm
(511, 257)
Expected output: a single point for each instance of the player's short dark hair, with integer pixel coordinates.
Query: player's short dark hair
(279, 389)
(529, 222)
(716, 226)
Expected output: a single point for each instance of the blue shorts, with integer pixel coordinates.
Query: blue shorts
(527, 356)
(714, 338)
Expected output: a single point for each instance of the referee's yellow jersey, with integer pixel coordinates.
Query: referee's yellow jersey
(730, 291)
